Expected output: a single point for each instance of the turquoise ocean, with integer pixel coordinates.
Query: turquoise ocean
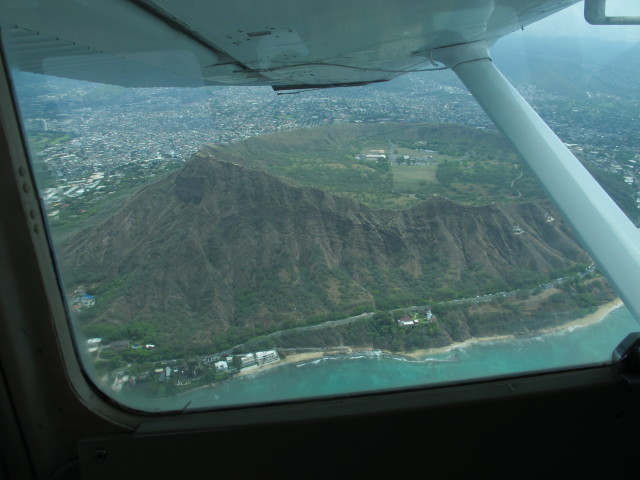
(375, 370)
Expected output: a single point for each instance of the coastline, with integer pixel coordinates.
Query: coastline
(295, 358)
(301, 357)
(601, 312)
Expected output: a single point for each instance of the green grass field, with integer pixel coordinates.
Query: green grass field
(474, 167)
(409, 179)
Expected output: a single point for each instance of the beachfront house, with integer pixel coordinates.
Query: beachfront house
(221, 366)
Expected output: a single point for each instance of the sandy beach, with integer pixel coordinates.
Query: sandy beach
(299, 358)
(590, 319)
(595, 317)
(601, 312)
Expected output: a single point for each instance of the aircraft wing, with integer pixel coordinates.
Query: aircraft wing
(284, 43)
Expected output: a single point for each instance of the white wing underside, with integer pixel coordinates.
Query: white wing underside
(284, 43)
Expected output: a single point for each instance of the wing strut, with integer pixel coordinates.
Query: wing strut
(606, 232)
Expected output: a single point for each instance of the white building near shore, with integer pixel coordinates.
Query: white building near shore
(269, 356)
(221, 366)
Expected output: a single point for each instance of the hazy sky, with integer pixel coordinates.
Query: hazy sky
(571, 22)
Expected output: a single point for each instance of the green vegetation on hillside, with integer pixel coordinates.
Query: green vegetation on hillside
(453, 322)
(470, 166)
(97, 205)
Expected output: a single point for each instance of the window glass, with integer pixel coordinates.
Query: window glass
(229, 245)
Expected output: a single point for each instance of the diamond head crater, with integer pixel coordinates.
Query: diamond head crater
(364, 236)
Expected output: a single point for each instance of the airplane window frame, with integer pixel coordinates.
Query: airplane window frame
(368, 402)
(107, 407)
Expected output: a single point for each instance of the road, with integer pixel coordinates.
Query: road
(459, 301)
